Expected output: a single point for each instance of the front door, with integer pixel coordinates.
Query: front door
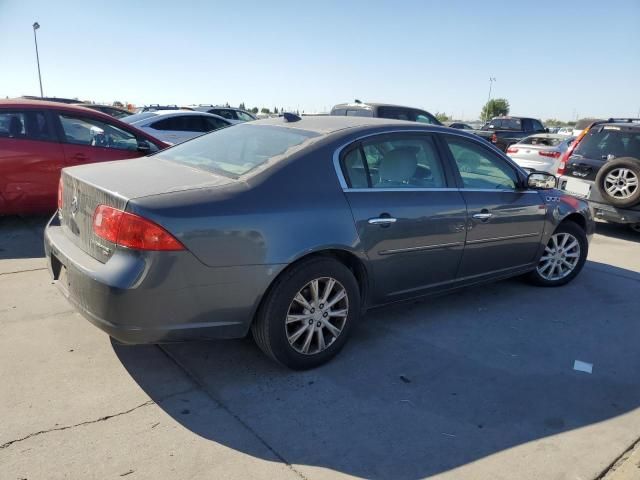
(89, 140)
(409, 216)
(505, 220)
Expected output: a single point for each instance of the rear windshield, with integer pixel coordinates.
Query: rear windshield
(602, 141)
(235, 150)
(544, 141)
(138, 117)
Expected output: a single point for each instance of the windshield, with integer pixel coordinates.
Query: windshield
(609, 140)
(236, 150)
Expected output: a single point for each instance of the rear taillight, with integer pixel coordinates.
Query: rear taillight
(562, 167)
(494, 138)
(512, 150)
(132, 231)
(60, 192)
(549, 154)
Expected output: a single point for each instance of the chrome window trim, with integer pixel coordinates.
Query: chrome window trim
(346, 188)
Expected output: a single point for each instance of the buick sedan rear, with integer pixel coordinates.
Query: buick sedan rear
(292, 228)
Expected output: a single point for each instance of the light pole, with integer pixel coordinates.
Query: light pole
(36, 26)
(491, 80)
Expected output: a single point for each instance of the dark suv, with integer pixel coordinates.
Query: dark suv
(603, 166)
(384, 110)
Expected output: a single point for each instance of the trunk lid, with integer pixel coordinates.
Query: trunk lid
(114, 184)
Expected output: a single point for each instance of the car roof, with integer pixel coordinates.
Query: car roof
(369, 105)
(23, 103)
(326, 124)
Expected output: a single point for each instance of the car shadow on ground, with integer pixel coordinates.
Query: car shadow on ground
(614, 230)
(22, 237)
(424, 387)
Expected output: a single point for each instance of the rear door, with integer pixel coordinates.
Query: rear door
(31, 158)
(505, 221)
(87, 139)
(409, 215)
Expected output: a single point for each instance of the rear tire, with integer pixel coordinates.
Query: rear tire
(306, 318)
(618, 182)
(563, 257)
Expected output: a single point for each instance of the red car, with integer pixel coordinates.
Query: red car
(38, 139)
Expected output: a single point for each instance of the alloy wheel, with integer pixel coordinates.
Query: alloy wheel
(621, 183)
(317, 315)
(560, 257)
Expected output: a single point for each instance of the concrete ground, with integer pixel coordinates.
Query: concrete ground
(476, 385)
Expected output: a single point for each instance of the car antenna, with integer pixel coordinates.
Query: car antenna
(291, 117)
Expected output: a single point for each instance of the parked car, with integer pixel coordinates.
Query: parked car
(505, 131)
(251, 227)
(229, 113)
(155, 107)
(460, 125)
(604, 168)
(540, 152)
(176, 126)
(38, 139)
(384, 110)
(567, 131)
(108, 109)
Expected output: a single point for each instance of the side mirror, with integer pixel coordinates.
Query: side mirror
(541, 181)
(546, 130)
(143, 146)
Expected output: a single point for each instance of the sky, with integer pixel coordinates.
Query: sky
(551, 59)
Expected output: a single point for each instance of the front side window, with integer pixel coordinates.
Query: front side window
(537, 126)
(80, 130)
(424, 117)
(25, 124)
(238, 150)
(398, 161)
(479, 167)
(213, 123)
(228, 114)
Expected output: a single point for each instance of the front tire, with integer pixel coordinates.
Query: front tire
(307, 316)
(563, 256)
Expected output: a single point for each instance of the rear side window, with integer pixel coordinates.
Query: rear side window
(398, 161)
(80, 130)
(25, 124)
(359, 112)
(395, 113)
(181, 123)
(238, 150)
(602, 141)
(228, 114)
(214, 123)
(511, 124)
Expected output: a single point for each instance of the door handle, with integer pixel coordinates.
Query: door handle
(482, 216)
(382, 221)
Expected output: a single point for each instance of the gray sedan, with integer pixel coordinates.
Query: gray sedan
(292, 228)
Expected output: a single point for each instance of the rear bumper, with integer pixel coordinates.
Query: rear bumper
(602, 210)
(156, 297)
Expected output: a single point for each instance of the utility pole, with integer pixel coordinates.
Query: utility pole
(36, 26)
(491, 80)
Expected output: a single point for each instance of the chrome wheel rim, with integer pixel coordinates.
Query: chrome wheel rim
(560, 257)
(621, 183)
(317, 316)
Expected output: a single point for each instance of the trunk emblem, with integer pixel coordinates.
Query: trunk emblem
(74, 205)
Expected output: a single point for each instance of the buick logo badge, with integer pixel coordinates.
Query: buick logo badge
(74, 205)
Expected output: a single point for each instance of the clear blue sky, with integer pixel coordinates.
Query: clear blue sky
(550, 58)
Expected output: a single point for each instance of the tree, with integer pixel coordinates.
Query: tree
(443, 117)
(265, 110)
(254, 110)
(275, 109)
(241, 106)
(494, 108)
(118, 104)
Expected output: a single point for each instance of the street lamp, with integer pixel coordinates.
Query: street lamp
(36, 26)
(491, 80)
